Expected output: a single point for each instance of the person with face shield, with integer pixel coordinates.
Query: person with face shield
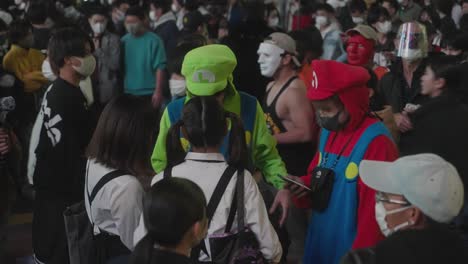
(60, 135)
(107, 80)
(343, 215)
(417, 197)
(401, 87)
(289, 118)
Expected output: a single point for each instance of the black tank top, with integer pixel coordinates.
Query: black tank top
(274, 123)
(296, 156)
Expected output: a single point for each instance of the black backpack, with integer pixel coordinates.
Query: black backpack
(231, 248)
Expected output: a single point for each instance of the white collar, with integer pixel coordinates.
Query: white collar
(205, 156)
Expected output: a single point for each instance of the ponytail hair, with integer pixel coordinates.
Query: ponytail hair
(237, 143)
(170, 208)
(175, 151)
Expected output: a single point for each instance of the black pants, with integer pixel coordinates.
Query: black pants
(48, 230)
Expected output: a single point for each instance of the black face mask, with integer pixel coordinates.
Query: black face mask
(331, 123)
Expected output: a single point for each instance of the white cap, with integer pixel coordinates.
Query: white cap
(426, 180)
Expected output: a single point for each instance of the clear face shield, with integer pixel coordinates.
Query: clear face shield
(412, 41)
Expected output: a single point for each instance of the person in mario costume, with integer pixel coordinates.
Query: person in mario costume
(343, 213)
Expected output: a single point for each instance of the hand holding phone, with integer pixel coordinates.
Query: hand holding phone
(296, 186)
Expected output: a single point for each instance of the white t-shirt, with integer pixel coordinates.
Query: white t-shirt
(206, 171)
(117, 207)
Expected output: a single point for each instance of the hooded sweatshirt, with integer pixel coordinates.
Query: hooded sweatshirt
(349, 220)
(208, 71)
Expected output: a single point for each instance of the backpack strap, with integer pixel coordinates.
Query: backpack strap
(240, 200)
(103, 181)
(167, 173)
(215, 199)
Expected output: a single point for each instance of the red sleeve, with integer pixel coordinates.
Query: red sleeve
(304, 202)
(368, 232)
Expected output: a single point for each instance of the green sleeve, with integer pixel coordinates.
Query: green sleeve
(159, 158)
(265, 155)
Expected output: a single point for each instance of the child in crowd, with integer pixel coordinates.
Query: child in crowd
(174, 213)
(204, 125)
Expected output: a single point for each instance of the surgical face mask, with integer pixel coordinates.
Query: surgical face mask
(119, 16)
(273, 22)
(384, 27)
(152, 15)
(177, 87)
(358, 20)
(174, 8)
(337, 3)
(331, 123)
(47, 71)
(321, 21)
(87, 67)
(269, 58)
(133, 28)
(381, 213)
(98, 28)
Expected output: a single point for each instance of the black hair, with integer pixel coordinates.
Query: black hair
(191, 5)
(393, 3)
(447, 67)
(464, 23)
(165, 5)
(67, 42)
(97, 9)
(185, 44)
(270, 8)
(308, 40)
(325, 7)
(357, 5)
(375, 12)
(205, 123)
(3, 26)
(444, 6)
(124, 136)
(37, 13)
(170, 208)
(136, 11)
(18, 30)
(460, 42)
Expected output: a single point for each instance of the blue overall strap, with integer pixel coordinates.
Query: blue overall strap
(174, 109)
(371, 132)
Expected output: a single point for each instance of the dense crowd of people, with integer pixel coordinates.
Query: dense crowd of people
(239, 131)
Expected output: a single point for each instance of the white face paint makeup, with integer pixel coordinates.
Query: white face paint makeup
(269, 58)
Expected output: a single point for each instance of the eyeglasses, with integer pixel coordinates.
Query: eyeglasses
(381, 197)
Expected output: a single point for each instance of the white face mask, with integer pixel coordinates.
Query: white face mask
(18, 2)
(174, 8)
(87, 67)
(321, 21)
(412, 55)
(177, 87)
(269, 58)
(98, 28)
(273, 22)
(152, 15)
(381, 213)
(47, 71)
(336, 3)
(358, 20)
(384, 27)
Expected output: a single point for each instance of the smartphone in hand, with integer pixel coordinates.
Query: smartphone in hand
(287, 179)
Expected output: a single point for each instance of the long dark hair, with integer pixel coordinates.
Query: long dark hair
(205, 122)
(170, 208)
(449, 69)
(124, 136)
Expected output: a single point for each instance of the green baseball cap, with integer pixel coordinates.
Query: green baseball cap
(208, 69)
